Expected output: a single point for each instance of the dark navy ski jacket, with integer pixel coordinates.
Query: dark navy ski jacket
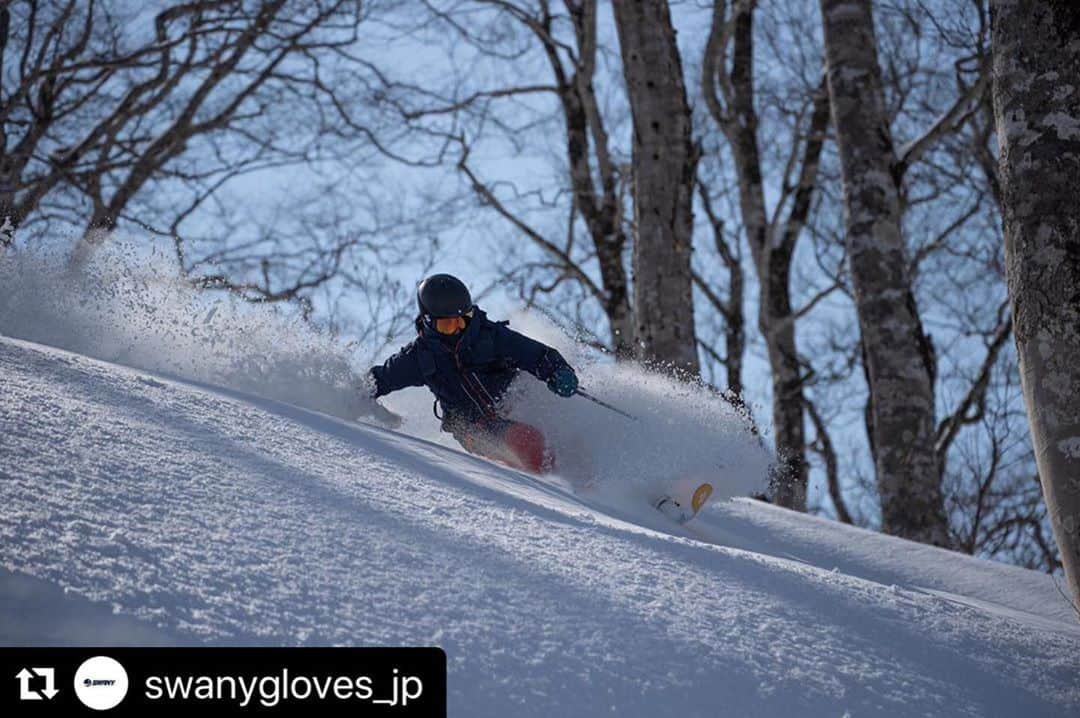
(468, 373)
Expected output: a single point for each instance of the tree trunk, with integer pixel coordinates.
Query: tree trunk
(609, 254)
(664, 169)
(790, 479)
(601, 209)
(773, 266)
(1036, 46)
(772, 255)
(898, 354)
(9, 221)
(731, 308)
(735, 335)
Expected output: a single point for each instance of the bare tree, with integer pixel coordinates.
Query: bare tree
(113, 112)
(101, 111)
(897, 353)
(237, 61)
(664, 170)
(1035, 45)
(595, 177)
(56, 57)
(536, 51)
(772, 236)
(930, 52)
(729, 307)
(993, 499)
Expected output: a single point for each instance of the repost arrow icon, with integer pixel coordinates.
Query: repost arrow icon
(50, 681)
(28, 694)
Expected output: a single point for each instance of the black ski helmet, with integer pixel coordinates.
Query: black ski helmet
(443, 295)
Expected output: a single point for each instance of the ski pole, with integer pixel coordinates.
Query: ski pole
(604, 404)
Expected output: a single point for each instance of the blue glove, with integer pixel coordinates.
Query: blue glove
(563, 381)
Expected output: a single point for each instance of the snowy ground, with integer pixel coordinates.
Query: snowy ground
(143, 509)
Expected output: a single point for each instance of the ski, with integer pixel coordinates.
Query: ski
(682, 511)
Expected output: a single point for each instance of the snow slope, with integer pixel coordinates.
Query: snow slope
(185, 513)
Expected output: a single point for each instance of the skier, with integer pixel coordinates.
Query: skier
(468, 362)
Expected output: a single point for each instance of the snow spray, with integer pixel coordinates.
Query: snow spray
(128, 304)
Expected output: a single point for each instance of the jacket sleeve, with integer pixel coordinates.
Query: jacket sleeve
(537, 358)
(398, 372)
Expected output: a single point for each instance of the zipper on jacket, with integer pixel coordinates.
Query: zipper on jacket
(489, 408)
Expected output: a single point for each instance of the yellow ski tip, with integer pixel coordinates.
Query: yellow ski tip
(701, 495)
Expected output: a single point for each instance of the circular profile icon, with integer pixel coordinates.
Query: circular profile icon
(101, 683)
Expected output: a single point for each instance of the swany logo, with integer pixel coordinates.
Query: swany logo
(101, 683)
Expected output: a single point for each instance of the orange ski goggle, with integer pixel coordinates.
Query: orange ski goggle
(451, 325)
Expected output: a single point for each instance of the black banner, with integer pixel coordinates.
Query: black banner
(406, 682)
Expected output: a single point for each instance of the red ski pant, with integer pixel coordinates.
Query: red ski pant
(513, 443)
